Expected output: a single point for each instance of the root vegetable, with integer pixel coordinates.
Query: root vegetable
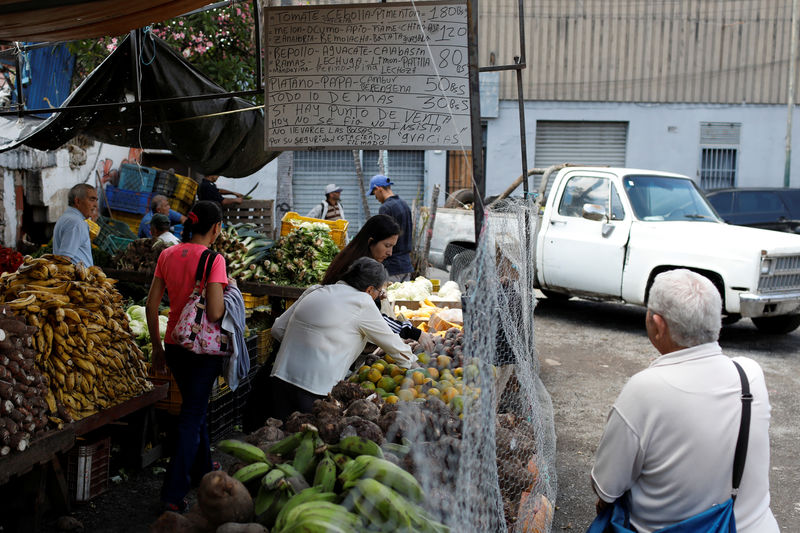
(224, 499)
(354, 425)
(170, 522)
(365, 409)
(19, 441)
(200, 523)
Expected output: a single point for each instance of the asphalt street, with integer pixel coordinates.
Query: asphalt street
(588, 350)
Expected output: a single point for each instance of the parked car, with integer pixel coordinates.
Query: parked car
(605, 233)
(767, 208)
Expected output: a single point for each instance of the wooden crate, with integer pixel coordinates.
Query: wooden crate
(256, 212)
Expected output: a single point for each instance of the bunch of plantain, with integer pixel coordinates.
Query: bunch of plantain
(84, 344)
(302, 484)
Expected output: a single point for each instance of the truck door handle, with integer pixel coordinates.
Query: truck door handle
(557, 222)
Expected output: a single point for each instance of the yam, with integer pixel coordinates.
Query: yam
(224, 499)
(296, 421)
(200, 523)
(170, 522)
(354, 425)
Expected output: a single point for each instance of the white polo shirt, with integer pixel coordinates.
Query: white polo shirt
(670, 440)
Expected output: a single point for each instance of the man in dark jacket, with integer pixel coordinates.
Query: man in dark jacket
(399, 263)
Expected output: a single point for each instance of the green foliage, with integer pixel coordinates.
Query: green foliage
(220, 43)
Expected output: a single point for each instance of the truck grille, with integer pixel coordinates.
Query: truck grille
(783, 276)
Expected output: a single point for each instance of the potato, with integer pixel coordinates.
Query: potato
(224, 499)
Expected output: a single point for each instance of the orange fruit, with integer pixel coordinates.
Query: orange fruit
(374, 375)
(391, 399)
(379, 367)
(406, 395)
(418, 377)
(449, 393)
(433, 372)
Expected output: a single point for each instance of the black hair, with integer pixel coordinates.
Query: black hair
(366, 272)
(375, 229)
(206, 214)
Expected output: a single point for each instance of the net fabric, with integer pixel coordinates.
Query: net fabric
(492, 468)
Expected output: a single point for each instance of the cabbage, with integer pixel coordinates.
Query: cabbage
(416, 290)
(137, 313)
(162, 326)
(139, 329)
(450, 292)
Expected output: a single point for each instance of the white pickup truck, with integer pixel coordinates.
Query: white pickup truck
(630, 225)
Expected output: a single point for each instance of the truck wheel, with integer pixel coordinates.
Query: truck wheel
(556, 296)
(733, 318)
(459, 198)
(461, 262)
(777, 324)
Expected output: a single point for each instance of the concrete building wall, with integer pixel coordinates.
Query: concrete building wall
(660, 137)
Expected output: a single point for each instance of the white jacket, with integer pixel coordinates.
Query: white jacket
(325, 331)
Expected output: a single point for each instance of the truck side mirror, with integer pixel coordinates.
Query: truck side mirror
(594, 212)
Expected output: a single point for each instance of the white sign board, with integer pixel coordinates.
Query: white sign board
(384, 76)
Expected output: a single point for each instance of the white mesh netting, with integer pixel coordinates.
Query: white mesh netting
(500, 474)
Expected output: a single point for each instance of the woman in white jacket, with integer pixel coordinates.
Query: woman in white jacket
(324, 332)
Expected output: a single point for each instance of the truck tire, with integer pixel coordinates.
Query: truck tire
(777, 325)
(459, 198)
(460, 263)
(556, 296)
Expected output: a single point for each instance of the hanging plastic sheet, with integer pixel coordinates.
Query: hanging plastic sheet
(217, 136)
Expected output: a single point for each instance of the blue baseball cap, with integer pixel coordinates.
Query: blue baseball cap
(379, 181)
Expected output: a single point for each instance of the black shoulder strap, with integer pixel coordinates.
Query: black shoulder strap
(744, 432)
(204, 266)
(198, 276)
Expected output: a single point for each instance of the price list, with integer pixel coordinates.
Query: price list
(367, 75)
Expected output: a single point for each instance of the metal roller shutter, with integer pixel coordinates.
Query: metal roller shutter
(314, 170)
(583, 143)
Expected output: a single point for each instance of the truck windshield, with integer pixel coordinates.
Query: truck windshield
(657, 198)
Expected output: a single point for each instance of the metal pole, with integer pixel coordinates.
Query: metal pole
(257, 20)
(137, 87)
(790, 105)
(478, 178)
(20, 98)
(521, 100)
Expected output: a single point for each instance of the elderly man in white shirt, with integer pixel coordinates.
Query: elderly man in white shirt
(324, 332)
(670, 438)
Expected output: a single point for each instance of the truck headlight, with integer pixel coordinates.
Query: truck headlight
(766, 265)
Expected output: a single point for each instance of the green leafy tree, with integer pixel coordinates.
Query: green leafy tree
(219, 42)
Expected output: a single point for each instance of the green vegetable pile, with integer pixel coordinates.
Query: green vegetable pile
(244, 250)
(301, 257)
(138, 323)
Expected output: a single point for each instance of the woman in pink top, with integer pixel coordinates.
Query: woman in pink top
(194, 373)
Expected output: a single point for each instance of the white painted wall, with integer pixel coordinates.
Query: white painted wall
(9, 208)
(435, 174)
(660, 137)
(266, 178)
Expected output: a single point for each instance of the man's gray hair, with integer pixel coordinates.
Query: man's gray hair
(690, 304)
(366, 272)
(157, 201)
(80, 190)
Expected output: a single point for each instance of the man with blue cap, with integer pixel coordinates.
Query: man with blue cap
(399, 263)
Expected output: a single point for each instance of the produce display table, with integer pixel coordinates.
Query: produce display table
(41, 450)
(115, 412)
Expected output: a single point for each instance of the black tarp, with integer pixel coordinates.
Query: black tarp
(225, 141)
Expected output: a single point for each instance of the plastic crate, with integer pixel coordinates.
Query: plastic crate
(165, 183)
(264, 346)
(185, 190)
(172, 403)
(87, 470)
(251, 302)
(136, 177)
(338, 227)
(179, 205)
(112, 244)
(115, 227)
(94, 228)
(221, 414)
(242, 394)
(127, 200)
(131, 220)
